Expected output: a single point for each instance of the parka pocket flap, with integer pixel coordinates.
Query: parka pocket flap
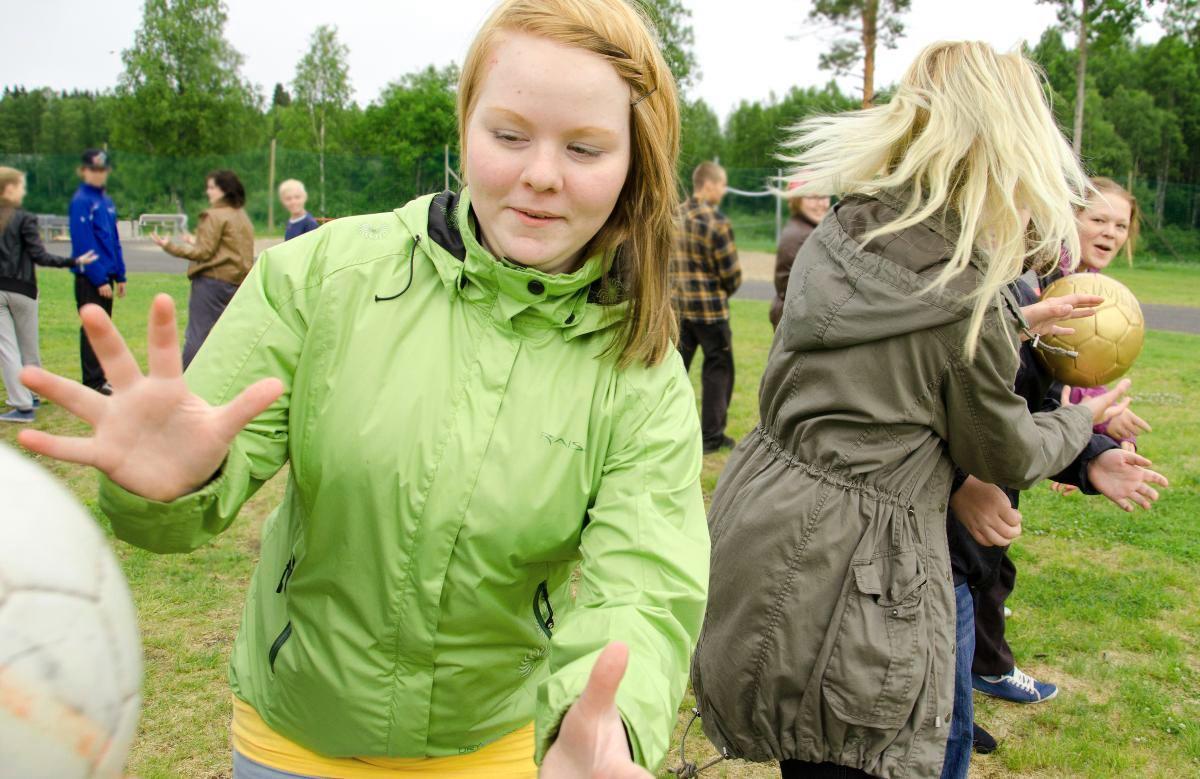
(866, 577)
(892, 579)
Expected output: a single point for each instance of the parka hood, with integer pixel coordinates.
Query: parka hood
(849, 293)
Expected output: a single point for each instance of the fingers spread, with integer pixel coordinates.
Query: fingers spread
(162, 339)
(119, 365)
(72, 450)
(83, 402)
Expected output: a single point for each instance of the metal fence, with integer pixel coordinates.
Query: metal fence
(143, 184)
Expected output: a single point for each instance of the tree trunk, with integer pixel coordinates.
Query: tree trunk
(1160, 196)
(322, 164)
(870, 16)
(1080, 79)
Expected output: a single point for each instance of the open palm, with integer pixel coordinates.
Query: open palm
(1125, 478)
(153, 436)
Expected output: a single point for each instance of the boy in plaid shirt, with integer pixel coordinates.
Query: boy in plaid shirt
(704, 273)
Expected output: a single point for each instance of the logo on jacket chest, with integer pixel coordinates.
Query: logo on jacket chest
(570, 446)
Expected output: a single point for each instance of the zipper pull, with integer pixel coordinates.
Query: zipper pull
(287, 574)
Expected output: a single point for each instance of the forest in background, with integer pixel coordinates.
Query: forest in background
(182, 107)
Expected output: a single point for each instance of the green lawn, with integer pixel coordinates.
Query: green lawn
(1167, 283)
(1106, 604)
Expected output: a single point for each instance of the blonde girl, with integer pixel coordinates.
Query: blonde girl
(21, 250)
(491, 553)
(829, 639)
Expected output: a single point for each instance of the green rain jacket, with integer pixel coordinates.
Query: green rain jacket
(459, 446)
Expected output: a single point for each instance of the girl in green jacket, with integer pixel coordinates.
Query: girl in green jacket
(492, 549)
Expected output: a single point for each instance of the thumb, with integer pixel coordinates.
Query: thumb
(601, 691)
(252, 401)
(1113, 411)
(1066, 395)
(1111, 396)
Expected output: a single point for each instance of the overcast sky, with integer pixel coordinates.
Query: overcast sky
(745, 48)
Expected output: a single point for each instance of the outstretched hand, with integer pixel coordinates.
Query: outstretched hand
(591, 741)
(153, 436)
(1105, 407)
(1125, 478)
(1044, 316)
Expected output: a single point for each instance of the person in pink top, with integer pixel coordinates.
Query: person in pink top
(1108, 226)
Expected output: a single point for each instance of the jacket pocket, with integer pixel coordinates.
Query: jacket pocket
(877, 667)
(543, 612)
(278, 643)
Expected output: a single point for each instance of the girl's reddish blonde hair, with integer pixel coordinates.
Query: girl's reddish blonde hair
(1106, 186)
(639, 235)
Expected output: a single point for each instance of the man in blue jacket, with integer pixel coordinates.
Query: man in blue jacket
(94, 228)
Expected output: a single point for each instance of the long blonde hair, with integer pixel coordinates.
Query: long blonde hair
(968, 138)
(639, 234)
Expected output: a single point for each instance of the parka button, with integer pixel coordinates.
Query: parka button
(536, 287)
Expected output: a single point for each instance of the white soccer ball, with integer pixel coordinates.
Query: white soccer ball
(70, 655)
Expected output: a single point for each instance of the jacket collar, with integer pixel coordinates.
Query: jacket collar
(516, 295)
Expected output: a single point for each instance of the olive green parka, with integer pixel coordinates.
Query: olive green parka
(830, 628)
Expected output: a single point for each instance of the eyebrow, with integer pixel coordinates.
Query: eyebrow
(585, 130)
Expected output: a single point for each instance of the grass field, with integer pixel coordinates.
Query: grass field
(1107, 603)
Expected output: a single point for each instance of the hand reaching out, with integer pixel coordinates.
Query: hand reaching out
(153, 436)
(1127, 425)
(1104, 407)
(592, 741)
(1125, 478)
(1044, 316)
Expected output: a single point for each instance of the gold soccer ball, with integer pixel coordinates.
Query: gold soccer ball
(1107, 343)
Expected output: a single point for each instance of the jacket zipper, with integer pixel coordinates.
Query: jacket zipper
(287, 574)
(284, 635)
(540, 597)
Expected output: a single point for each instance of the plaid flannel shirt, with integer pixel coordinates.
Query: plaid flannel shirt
(704, 267)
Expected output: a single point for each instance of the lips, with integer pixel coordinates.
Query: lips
(535, 217)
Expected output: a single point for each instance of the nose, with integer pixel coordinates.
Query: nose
(542, 173)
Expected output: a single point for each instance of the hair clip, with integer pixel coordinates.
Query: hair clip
(643, 97)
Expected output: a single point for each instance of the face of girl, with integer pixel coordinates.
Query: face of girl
(1103, 229)
(15, 192)
(213, 191)
(548, 150)
(814, 208)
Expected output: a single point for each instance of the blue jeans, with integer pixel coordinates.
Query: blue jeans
(245, 768)
(962, 721)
